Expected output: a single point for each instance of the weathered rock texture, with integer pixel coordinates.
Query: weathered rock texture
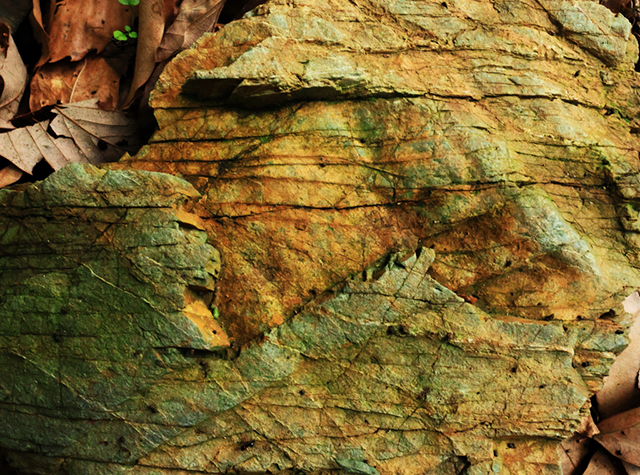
(102, 285)
(427, 214)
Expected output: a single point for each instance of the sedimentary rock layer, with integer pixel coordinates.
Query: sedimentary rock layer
(427, 219)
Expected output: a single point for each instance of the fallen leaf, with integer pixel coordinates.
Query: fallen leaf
(574, 453)
(14, 77)
(39, 31)
(603, 464)
(76, 27)
(79, 133)
(26, 146)
(170, 10)
(620, 392)
(66, 82)
(620, 435)
(631, 469)
(103, 136)
(151, 21)
(196, 17)
(9, 175)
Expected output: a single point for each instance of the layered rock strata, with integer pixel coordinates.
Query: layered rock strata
(427, 216)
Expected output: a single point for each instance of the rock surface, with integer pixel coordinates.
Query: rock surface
(102, 282)
(427, 216)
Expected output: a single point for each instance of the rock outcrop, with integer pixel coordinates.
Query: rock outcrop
(427, 218)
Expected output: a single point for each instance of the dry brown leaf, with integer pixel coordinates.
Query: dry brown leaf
(26, 146)
(151, 27)
(170, 9)
(603, 464)
(9, 175)
(76, 27)
(620, 391)
(14, 77)
(39, 31)
(79, 133)
(574, 452)
(66, 82)
(631, 469)
(196, 17)
(103, 136)
(620, 435)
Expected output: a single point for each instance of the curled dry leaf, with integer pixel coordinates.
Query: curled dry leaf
(79, 133)
(170, 10)
(39, 31)
(9, 175)
(65, 82)
(76, 27)
(620, 435)
(14, 77)
(196, 17)
(151, 25)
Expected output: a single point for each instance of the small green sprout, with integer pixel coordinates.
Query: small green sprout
(128, 33)
(120, 36)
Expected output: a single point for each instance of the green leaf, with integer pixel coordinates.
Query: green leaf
(120, 36)
(124, 2)
(127, 28)
(133, 34)
(134, 2)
